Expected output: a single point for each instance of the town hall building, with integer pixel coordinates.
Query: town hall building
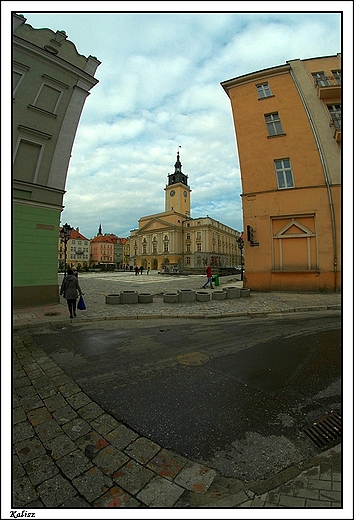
(173, 241)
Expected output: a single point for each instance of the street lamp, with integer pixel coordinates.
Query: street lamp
(65, 233)
(241, 245)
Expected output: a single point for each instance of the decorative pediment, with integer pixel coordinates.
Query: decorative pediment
(294, 229)
(155, 224)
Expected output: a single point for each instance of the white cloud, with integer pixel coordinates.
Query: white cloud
(159, 88)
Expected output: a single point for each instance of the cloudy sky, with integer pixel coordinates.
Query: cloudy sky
(159, 88)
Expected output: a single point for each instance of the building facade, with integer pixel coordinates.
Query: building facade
(51, 82)
(287, 122)
(103, 250)
(77, 251)
(174, 241)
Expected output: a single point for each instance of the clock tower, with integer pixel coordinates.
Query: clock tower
(178, 191)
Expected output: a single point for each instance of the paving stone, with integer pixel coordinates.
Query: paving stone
(317, 503)
(22, 381)
(78, 400)
(116, 497)
(160, 492)
(73, 464)
(320, 484)
(334, 496)
(42, 381)
(75, 502)
(48, 430)
(40, 469)
(60, 446)
(196, 477)
(21, 431)
(288, 501)
(17, 468)
(56, 491)
(31, 402)
(46, 391)
(76, 428)
(90, 411)
(18, 415)
(55, 402)
(91, 439)
(132, 477)
(38, 416)
(92, 484)
(64, 415)
(23, 492)
(142, 450)
(69, 388)
(167, 464)
(104, 423)
(29, 449)
(26, 391)
(110, 459)
(121, 436)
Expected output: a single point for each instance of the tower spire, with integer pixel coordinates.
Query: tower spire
(178, 164)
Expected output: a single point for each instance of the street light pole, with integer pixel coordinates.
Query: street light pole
(65, 233)
(241, 245)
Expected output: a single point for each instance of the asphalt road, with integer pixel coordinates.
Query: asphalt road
(234, 393)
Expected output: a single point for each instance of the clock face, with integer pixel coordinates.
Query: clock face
(172, 192)
(185, 194)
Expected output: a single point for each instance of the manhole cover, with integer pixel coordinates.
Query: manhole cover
(193, 358)
(326, 430)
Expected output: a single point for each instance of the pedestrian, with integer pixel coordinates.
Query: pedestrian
(209, 275)
(70, 289)
(141, 269)
(148, 270)
(136, 270)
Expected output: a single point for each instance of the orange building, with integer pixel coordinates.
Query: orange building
(288, 130)
(102, 249)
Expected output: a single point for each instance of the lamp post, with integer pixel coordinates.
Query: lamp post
(241, 245)
(65, 233)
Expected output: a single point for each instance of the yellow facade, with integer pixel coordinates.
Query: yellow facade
(287, 124)
(172, 241)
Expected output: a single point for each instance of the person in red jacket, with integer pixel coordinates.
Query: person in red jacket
(209, 275)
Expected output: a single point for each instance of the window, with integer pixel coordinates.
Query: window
(165, 247)
(337, 74)
(199, 246)
(273, 124)
(321, 79)
(284, 173)
(199, 234)
(336, 115)
(188, 260)
(263, 90)
(154, 247)
(188, 236)
(188, 248)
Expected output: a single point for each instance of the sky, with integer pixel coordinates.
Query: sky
(159, 88)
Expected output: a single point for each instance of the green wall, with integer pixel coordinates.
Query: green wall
(35, 246)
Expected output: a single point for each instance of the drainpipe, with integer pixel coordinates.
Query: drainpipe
(325, 170)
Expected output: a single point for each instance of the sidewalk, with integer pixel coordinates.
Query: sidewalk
(69, 453)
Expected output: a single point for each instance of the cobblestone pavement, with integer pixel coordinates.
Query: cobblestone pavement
(69, 453)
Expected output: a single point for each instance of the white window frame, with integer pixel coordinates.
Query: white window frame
(284, 171)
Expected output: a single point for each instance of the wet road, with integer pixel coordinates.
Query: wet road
(234, 394)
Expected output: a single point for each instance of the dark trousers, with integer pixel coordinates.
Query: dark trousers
(72, 307)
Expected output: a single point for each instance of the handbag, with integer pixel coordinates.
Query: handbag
(81, 304)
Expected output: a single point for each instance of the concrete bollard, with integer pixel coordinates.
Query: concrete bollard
(186, 295)
(145, 298)
(245, 292)
(170, 297)
(112, 299)
(129, 297)
(218, 295)
(232, 292)
(203, 296)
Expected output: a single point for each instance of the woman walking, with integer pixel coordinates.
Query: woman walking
(70, 289)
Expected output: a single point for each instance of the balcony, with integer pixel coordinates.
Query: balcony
(328, 87)
(336, 124)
